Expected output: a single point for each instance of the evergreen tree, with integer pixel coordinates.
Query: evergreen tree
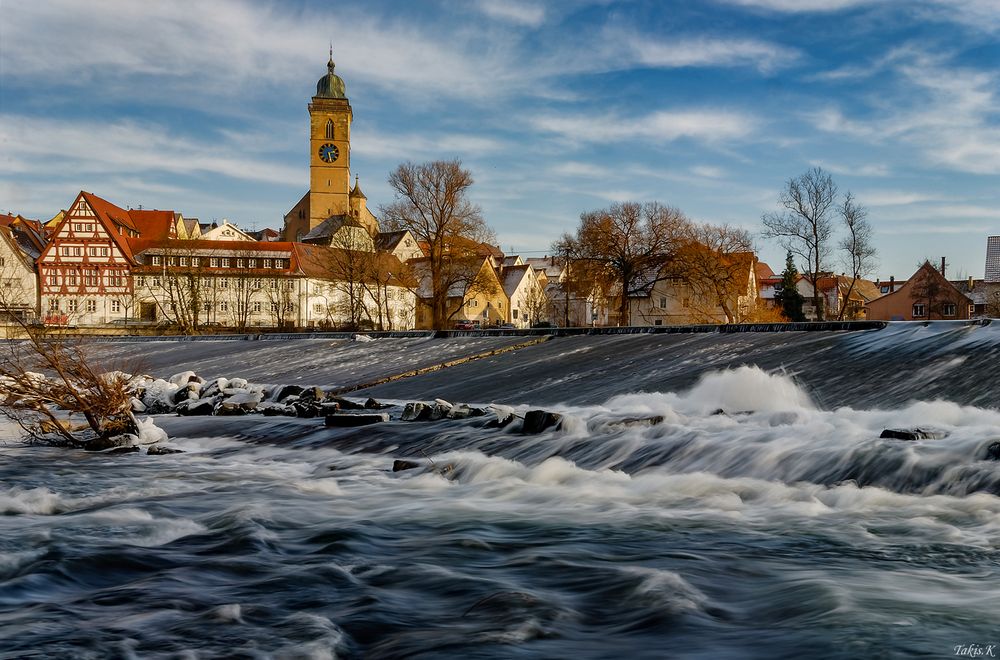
(790, 299)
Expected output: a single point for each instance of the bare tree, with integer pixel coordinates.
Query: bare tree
(804, 225)
(625, 246)
(45, 376)
(859, 252)
(431, 201)
(716, 262)
(278, 295)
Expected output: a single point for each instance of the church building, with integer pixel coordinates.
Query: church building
(332, 209)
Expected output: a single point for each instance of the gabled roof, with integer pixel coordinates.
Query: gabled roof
(319, 262)
(550, 265)
(513, 276)
(325, 231)
(387, 241)
(112, 217)
(763, 270)
(153, 224)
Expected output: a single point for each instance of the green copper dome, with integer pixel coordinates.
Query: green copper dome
(330, 86)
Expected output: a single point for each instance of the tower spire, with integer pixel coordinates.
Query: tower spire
(329, 64)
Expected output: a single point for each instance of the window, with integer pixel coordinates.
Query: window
(225, 262)
(663, 302)
(78, 252)
(206, 307)
(884, 288)
(171, 261)
(156, 282)
(513, 313)
(948, 309)
(91, 306)
(71, 279)
(92, 251)
(329, 129)
(90, 277)
(116, 306)
(104, 252)
(64, 251)
(184, 261)
(71, 305)
(258, 283)
(157, 260)
(658, 322)
(267, 263)
(272, 284)
(140, 281)
(274, 308)
(54, 305)
(223, 282)
(918, 310)
(213, 262)
(223, 306)
(318, 308)
(256, 308)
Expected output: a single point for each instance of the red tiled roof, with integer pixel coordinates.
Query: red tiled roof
(153, 224)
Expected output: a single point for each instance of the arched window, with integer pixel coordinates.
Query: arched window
(329, 129)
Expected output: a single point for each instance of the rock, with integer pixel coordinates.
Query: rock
(203, 406)
(439, 410)
(312, 394)
(992, 452)
(150, 433)
(277, 410)
(329, 408)
(372, 404)
(112, 442)
(286, 391)
(239, 383)
(214, 387)
(160, 450)
(138, 406)
(502, 419)
(345, 404)
(399, 465)
(131, 449)
(914, 434)
(183, 378)
(537, 421)
(186, 393)
(461, 411)
(305, 410)
(243, 399)
(415, 412)
(346, 419)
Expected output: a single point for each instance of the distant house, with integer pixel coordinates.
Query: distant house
(225, 232)
(927, 295)
(475, 295)
(399, 244)
(528, 303)
(21, 243)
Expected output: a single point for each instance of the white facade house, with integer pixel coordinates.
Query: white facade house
(20, 245)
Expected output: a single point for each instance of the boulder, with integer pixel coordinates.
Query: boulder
(160, 450)
(204, 406)
(345, 404)
(183, 378)
(439, 410)
(138, 406)
(312, 394)
(215, 386)
(239, 383)
(187, 392)
(276, 410)
(502, 419)
(286, 391)
(226, 409)
(399, 465)
(415, 412)
(112, 442)
(343, 420)
(372, 404)
(992, 452)
(914, 434)
(537, 421)
(305, 410)
(243, 399)
(131, 449)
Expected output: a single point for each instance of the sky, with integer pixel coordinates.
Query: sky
(557, 107)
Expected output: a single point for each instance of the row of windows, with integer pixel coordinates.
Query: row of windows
(156, 281)
(88, 277)
(947, 309)
(72, 305)
(219, 262)
(254, 308)
(77, 251)
(82, 227)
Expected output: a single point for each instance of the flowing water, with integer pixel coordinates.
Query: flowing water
(736, 517)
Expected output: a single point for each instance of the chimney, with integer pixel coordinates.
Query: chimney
(943, 266)
(972, 283)
(892, 283)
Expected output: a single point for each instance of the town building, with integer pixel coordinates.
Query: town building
(925, 296)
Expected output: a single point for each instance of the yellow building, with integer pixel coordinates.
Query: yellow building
(330, 193)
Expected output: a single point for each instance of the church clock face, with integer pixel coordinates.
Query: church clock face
(329, 153)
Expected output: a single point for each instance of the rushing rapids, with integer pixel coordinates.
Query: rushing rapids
(738, 515)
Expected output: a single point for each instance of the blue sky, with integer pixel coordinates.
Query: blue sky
(557, 107)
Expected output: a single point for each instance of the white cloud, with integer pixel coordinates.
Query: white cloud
(708, 171)
(578, 169)
(676, 52)
(56, 149)
(663, 126)
(414, 146)
(514, 11)
(894, 197)
(801, 6)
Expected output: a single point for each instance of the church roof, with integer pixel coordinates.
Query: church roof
(330, 86)
(356, 190)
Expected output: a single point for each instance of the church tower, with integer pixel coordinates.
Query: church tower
(329, 158)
